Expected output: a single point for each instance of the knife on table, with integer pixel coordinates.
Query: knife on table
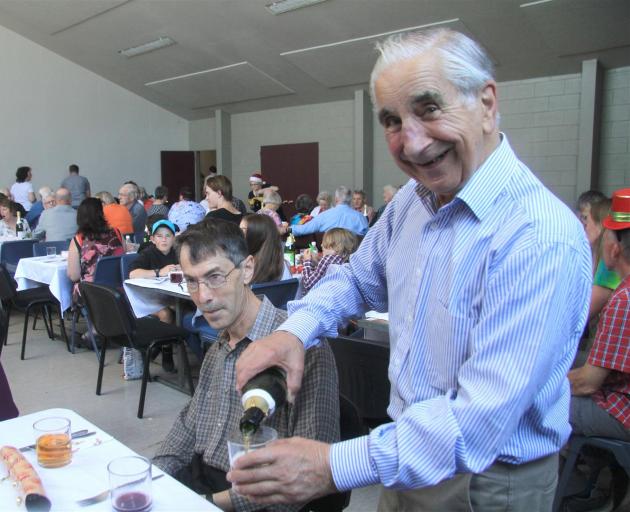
(75, 435)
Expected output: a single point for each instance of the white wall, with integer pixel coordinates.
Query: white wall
(615, 143)
(201, 135)
(329, 124)
(54, 113)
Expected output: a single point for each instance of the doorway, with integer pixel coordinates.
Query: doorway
(186, 169)
(293, 168)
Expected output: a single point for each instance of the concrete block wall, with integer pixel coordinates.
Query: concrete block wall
(540, 117)
(331, 125)
(615, 136)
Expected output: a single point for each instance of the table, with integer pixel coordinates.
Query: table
(86, 475)
(50, 270)
(147, 296)
(375, 326)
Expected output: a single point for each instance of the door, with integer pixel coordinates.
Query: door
(293, 168)
(178, 170)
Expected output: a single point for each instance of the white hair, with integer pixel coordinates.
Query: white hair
(465, 63)
(343, 195)
(44, 192)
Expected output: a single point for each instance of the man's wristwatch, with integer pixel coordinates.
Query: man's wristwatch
(157, 272)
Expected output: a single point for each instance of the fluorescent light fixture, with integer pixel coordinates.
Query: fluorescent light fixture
(372, 36)
(536, 2)
(282, 6)
(162, 42)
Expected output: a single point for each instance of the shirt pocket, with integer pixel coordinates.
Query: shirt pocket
(447, 345)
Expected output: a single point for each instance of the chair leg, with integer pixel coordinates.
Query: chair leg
(101, 364)
(7, 309)
(24, 331)
(48, 325)
(73, 329)
(574, 447)
(62, 326)
(50, 322)
(145, 378)
(184, 354)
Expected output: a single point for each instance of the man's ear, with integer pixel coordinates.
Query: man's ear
(488, 97)
(248, 266)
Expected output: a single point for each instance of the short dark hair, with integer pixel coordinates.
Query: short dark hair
(590, 197)
(303, 203)
(212, 237)
(187, 193)
(212, 169)
(161, 192)
(74, 168)
(21, 174)
(220, 183)
(90, 219)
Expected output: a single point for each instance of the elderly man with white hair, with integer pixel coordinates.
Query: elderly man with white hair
(341, 216)
(128, 197)
(59, 222)
(486, 276)
(45, 199)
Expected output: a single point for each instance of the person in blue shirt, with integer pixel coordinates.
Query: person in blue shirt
(483, 326)
(341, 216)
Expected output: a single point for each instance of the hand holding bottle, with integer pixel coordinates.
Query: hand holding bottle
(280, 348)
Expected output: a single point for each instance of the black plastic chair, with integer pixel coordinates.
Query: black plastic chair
(278, 292)
(113, 319)
(28, 300)
(12, 251)
(350, 426)
(620, 449)
(125, 261)
(39, 248)
(362, 368)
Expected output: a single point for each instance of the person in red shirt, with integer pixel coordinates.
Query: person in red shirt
(600, 405)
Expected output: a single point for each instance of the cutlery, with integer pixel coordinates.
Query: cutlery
(75, 435)
(101, 496)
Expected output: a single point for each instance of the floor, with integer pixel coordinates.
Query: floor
(52, 377)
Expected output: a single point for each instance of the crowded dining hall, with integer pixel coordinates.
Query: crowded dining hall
(315, 255)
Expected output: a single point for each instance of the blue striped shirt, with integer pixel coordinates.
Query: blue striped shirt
(487, 299)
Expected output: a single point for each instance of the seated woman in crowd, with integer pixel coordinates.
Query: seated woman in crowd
(159, 205)
(219, 197)
(271, 203)
(94, 239)
(303, 207)
(116, 215)
(324, 200)
(338, 244)
(8, 212)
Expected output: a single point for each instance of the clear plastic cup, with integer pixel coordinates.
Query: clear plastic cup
(130, 484)
(237, 446)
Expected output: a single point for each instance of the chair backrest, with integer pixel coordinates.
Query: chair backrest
(125, 261)
(362, 368)
(107, 271)
(12, 251)
(8, 288)
(39, 248)
(278, 292)
(108, 311)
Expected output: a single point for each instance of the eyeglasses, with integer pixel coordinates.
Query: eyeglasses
(211, 282)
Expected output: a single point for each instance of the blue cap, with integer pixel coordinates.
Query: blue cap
(164, 224)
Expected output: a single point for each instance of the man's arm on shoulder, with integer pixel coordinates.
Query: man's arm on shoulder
(587, 379)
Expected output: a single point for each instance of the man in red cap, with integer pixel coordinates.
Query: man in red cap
(600, 405)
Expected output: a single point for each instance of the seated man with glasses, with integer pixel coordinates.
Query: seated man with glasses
(218, 271)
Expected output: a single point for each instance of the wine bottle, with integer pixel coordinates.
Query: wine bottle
(262, 395)
(289, 249)
(19, 227)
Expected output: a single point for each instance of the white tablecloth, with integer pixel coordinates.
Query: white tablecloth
(50, 270)
(86, 475)
(148, 296)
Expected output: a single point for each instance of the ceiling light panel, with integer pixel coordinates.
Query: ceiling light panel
(151, 46)
(282, 6)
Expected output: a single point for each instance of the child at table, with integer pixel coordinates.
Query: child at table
(157, 260)
(338, 244)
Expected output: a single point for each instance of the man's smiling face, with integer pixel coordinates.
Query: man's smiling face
(435, 135)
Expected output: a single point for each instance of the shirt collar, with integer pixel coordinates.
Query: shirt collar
(263, 325)
(484, 186)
